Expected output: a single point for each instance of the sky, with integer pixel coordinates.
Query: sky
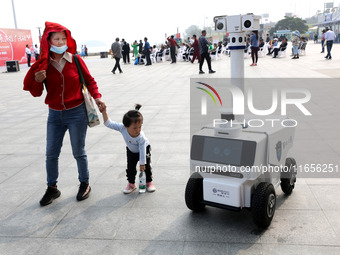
(104, 20)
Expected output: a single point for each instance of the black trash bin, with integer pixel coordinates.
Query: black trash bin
(104, 54)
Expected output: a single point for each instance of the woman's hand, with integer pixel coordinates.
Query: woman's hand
(40, 76)
(101, 105)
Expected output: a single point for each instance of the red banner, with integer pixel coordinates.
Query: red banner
(13, 43)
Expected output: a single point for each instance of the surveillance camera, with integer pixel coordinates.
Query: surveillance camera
(237, 23)
(220, 23)
(250, 22)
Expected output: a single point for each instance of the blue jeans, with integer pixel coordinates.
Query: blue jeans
(75, 121)
(329, 48)
(295, 49)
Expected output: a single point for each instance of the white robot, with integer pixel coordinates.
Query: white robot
(236, 166)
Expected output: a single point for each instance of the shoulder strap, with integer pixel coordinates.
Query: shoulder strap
(81, 77)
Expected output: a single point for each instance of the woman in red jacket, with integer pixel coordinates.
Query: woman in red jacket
(56, 70)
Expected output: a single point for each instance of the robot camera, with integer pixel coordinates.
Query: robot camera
(243, 23)
(220, 23)
(250, 22)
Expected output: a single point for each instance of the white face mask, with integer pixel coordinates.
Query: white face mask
(59, 50)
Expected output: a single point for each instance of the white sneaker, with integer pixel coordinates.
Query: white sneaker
(129, 188)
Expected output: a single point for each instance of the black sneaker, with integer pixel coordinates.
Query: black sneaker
(50, 194)
(201, 72)
(212, 71)
(84, 191)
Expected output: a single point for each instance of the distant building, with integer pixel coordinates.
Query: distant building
(331, 20)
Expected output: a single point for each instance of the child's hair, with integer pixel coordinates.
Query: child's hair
(133, 116)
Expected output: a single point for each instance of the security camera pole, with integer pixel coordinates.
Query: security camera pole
(237, 46)
(237, 26)
(15, 18)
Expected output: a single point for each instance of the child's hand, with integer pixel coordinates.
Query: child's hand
(142, 168)
(102, 108)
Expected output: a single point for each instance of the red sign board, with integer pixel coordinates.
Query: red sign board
(13, 43)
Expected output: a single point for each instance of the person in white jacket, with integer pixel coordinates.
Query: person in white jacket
(28, 54)
(330, 38)
(137, 146)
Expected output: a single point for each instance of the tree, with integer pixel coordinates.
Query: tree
(192, 30)
(290, 23)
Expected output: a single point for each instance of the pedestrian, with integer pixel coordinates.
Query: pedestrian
(28, 55)
(85, 48)
(123, 43)
(196, 53)
(135, 49)
(316, 38)
(173, 45)
(296, 43)
(137, 146)
(126, 52)
(147, 49)
(204, 52)
(56, 70)
(254, 42)
(140, 47)
(117, 54)
(323, 41)
(330, 38)
(268, 38)
(36, 52)
(82, 53)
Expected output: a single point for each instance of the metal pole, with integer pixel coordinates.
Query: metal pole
(237, 69)
(39, 34)
(15, 19)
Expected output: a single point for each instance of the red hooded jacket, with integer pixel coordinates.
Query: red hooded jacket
(63, 89)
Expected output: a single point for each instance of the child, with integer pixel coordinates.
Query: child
(138, 147)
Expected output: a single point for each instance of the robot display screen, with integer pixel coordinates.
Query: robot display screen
(220, 151)
(223, 151)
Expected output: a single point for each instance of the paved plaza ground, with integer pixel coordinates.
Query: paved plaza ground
(109, 222)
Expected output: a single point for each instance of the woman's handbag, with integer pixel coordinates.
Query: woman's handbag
(92, 116)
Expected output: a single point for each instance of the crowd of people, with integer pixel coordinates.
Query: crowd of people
(143, 53)
(279, 44)
(201, 49)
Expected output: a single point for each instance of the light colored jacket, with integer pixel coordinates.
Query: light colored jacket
(295, 40)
